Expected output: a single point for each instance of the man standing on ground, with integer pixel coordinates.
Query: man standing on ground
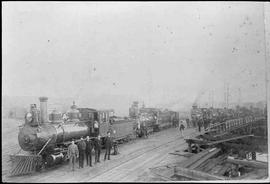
(97, 149)
(188, 123)
(88, 151)
(108, 146)
(96, 128)
(181, 128)
(72, 154)
(82, 147)
(199, 124)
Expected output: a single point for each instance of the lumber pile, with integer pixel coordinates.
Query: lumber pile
(250, 163)
(199, 158)
(196, 175)
(197, 166)
(210, 164)
(203, 159)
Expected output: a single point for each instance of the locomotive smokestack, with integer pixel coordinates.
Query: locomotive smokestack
(43, 109)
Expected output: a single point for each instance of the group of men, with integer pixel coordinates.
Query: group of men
(85, 148)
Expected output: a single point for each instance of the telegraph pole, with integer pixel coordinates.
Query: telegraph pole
(228, 95)
(213, 98)
(225, 95)
(239, 96)
(209, 99)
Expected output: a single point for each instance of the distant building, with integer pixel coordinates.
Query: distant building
(17, 113)
(134, 110)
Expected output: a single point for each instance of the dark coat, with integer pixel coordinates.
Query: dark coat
(97, 144)
(89, 146)
(108, 142)
(182, 127)
(81, 145)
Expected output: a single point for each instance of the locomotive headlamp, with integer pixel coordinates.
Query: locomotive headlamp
(29, 117)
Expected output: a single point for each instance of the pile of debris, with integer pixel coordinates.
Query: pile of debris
(226, 155)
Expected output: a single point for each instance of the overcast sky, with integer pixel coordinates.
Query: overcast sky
(159, 53)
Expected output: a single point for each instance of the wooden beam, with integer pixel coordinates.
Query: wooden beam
(203, 159)
(194, 140)
(223, 169)
(185, 154)
(165, 171)
(211, 164)
(245, 147)
(194, 158)
(230, 139)
(256, 164)
(196, 175)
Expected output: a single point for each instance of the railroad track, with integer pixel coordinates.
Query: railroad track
(136, 155)
(127, 156)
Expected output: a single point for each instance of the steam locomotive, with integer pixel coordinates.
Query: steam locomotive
(152, 119)
(47, 140)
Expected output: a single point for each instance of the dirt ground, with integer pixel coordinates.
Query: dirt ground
(10, 145)
(132, 164)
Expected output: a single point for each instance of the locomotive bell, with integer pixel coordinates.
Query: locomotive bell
(73, 113)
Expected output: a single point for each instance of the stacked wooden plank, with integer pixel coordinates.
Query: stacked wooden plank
(185, 154)
(196, 175)
(195, 167)
(199, 158)
(250, 163)
(202, 160)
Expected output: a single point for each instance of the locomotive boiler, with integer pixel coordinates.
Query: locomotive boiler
(46, 140)
(49, 139)
(36, 132)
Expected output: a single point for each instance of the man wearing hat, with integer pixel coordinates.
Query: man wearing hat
(96, 128)
(88, 151)
(97, 149)
(81, 147)
(108, 145)
(72, 154)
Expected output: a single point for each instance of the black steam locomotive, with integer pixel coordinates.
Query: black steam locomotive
(152, 119)
(46, 139)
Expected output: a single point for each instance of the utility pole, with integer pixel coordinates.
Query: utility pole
(225, 95)
(213, 98)
(209, 100)
(228, 95)
(239, 96)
